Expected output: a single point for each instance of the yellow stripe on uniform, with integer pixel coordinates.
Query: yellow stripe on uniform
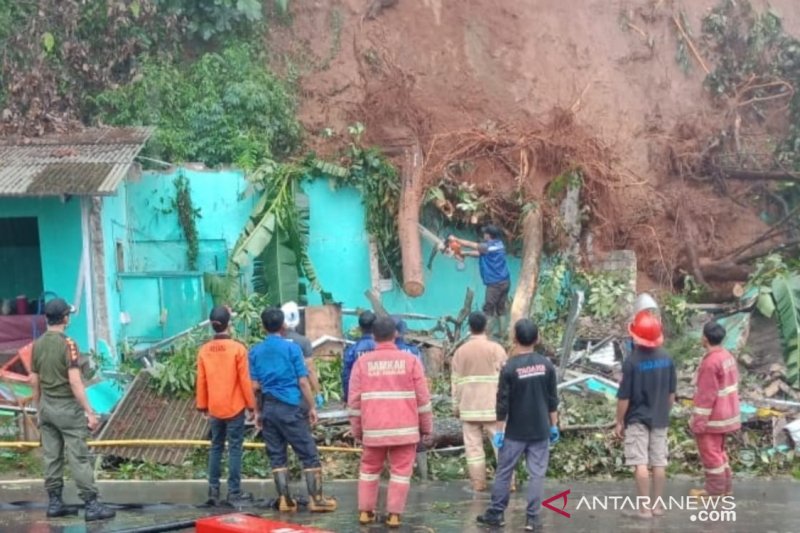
(354, 412)
(405, 480)
(491, 413)
(427, 408)
(476, 460)
(722, 423)
(718, 470)
(477, 379)
(376, 433)
(388, 395)
(368, 477)
(728, 390)
(702, 411)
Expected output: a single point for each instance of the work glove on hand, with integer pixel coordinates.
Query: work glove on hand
(555, 436)
(498, 439)
(320, 400)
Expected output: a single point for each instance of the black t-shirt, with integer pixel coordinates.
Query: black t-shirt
(526, 395)
(648, 378)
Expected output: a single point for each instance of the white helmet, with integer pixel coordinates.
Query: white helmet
(291, 315)
(645, 302)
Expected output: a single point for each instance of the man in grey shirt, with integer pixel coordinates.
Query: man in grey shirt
(291, 313)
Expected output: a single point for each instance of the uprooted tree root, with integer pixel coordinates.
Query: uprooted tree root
(533, 155)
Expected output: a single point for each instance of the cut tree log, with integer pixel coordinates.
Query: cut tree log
(375, 299)
(408, 221)
(532, 241)
(756, 175)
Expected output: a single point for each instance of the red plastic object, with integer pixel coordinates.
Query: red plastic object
(244, 523)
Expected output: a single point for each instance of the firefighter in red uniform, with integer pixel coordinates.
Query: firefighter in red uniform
(390, 411)
(716, 411)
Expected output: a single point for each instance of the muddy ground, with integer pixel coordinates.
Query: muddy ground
(424, 69)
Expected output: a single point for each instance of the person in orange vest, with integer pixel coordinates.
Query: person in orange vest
(645, 397)
(224, 392)
(716, 411)
(390, 412)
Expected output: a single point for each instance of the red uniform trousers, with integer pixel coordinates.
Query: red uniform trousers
(719, 478)
(401, 464)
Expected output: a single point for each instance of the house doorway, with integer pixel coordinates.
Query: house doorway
(20, 265)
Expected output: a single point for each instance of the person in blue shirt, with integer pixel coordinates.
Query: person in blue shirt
(363, 345)
(491, 254)
(280, 377)
(400, 342)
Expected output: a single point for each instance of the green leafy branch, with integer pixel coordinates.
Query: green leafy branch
(187, 219)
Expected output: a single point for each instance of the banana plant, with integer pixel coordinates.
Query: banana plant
(274, 239)
(786, 293)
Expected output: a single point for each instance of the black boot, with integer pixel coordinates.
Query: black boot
(317, 503)
(285, 502)
(55, 505)
(95, 510)
(213, 497)
(238, 499)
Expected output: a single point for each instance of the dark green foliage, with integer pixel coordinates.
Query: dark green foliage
(752, 47)
(224, 109)
(208, 19)
(187, 215)
(58, 54)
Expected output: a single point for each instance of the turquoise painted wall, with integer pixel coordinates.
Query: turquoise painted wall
(60, 238)
(338, 245)
(339, 248)
(157, 243)
(157, 291)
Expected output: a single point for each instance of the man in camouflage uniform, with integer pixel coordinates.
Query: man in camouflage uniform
(65, 416)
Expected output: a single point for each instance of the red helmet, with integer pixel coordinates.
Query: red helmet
(646, 330)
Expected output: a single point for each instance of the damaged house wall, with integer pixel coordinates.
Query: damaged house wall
(338, 246)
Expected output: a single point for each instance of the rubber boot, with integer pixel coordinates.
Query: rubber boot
(317, 503)
(55, 505)
(285, 502)
(393, 520)
(422, 465)
(237, 499)
(366, 518)
(94, 510)
(213, 497)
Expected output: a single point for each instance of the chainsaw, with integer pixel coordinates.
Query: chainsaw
(447, 246)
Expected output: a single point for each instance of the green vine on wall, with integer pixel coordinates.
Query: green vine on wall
(187, 219)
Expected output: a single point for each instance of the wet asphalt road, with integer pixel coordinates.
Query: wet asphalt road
(762, 506)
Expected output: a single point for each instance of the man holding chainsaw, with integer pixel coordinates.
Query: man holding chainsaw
(491, 254)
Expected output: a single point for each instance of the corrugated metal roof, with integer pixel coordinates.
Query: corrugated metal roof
(91, 162)
(144, 414)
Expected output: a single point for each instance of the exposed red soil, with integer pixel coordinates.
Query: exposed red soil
(425, 69)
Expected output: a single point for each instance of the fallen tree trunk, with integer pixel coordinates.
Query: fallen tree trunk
(408, 222)
(755, 175)
(532, 240)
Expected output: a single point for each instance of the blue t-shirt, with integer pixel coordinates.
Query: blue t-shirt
(351, 354)
(492, 262)
(277, 365)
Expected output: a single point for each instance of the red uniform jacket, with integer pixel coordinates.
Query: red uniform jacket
(716, 399)
(389, 403)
